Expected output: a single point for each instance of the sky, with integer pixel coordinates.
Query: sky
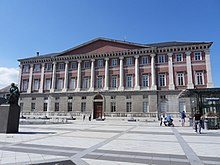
(48, 26)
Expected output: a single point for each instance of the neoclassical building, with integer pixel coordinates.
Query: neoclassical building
(111, 78)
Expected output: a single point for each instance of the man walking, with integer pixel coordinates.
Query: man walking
(183, 115)
(197, 119)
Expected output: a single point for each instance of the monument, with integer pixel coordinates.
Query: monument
(10, 112)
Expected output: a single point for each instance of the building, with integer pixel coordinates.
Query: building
(111, 78)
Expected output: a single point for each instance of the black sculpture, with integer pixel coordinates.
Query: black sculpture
(14, 94)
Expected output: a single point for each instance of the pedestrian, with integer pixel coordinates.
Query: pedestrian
(162, 118)
(90, 117)
(183, 115)
(197, 120)
(84, 116)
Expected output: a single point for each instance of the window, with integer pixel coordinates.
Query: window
(85, 82)
(47, 84)
(99, 82)
(61, 66)
(113, 97)
(100, 63)
(70, 106)
(197, 56)
(128, 97)
(145, 107)
(72, 83)
(36, 84)
(145, 60)
(73, 65)
(57, 98)
(86, 64)
(161, 59)
(83, 97)
(37, 67)
(180, 79)
(162, 80)
(113, 107)
(199, 78)
(32, 107)
(128, 106)
(179, 57)
(145, 96)
(60, 83)
(56, 106)
(145, 80)
(26, 68)
(114, 81)
(114, 62)
(24, 85)
(48, 66)
(45, 107)
(33, 98)
(129, 61)
(70, 98)
(83, 107)
(45, 98)
(129, 81)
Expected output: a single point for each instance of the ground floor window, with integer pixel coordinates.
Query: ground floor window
(129, 107)
(56, 106)
(83, 107)
(70, 105)
(145, 107)
(45, 107)
(32, 107)
(113, 107)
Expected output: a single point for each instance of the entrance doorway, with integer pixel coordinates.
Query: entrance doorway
(97, 110)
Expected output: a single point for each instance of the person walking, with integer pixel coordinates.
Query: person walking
(183, 116)
(197, 119)
(162, 118)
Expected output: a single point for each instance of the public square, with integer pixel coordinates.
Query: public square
(109, 142)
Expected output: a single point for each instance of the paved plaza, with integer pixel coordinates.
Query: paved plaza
(109, 142)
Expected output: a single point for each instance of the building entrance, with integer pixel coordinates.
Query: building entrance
(98, 106)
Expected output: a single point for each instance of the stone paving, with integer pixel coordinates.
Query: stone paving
(109, 142)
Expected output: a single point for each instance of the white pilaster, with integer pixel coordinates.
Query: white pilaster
(42, 78)
(106, 87)
(137, 84)
(190, 84)
(121, 85)
(65, 77)
(53, 78)
(170, 64)
(153, 74)
(19, 77)
(92, 82)
(208, 69)
(78, 85)
(30, 79)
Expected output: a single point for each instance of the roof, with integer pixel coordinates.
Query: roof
(159, 45)
(5, 89)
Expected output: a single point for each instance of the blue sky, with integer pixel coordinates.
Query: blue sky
(47, 26)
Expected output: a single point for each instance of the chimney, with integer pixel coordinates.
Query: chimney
(38, 53)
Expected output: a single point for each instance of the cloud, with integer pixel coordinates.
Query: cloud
(7, 76)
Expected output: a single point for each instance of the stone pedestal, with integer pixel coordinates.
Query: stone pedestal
(9, 118)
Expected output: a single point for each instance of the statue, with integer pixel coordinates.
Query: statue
(14, 94)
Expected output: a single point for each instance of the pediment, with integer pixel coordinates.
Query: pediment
(102, 46)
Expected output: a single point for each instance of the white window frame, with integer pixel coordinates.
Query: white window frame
(86, 64)
(86, 82)
(73, 65)
(179, 57)
(128, 106)
(129, 81)
(61, 66)
(26, 68)
(162, 79)
(180, 79)
(115, 62)
(24, 85)
(48, 84)
(145, 107)
(49, 66)
(199, 77)
(145, 80)
(113, 106)
(37, 67)
(100, 63)
(100, 82)
(114, 82)
(197, 56)
(36, 84)
(161, 59)
(129, 61)
(60, 83)
(145, 60)
(83, 106)
(72, 83)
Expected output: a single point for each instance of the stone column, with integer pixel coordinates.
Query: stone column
(170, 64)
(208, 69)
(65, 77)
(30, 79)
(137, 84)
(153, 74)
(92, 82)
(121, 84)
(19, 77)
(53, 78)
(78, 85)
(42, 78)
(190, 84)
(106, 87)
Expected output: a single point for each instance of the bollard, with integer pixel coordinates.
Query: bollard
(206, 125)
